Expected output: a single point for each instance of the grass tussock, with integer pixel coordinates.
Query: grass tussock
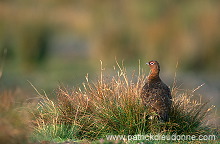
(112, 105)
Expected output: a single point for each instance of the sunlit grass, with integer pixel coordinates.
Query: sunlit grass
(112, 105)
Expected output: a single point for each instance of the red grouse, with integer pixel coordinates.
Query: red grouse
(155, 94)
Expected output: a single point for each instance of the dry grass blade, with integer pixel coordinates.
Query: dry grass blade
(4, 54)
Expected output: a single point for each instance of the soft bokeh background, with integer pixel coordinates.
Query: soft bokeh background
(52, 41)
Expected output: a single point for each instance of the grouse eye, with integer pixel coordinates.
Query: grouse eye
(151, 63)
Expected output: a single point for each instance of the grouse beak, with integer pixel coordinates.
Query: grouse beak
(147, 63)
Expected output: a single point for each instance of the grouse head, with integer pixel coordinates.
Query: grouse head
(155, 70)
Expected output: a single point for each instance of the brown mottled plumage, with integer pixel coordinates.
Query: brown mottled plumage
(155, 94)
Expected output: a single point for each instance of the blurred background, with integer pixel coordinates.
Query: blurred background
(52, 41)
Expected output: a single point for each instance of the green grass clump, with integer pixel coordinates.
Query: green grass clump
(112, 106)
